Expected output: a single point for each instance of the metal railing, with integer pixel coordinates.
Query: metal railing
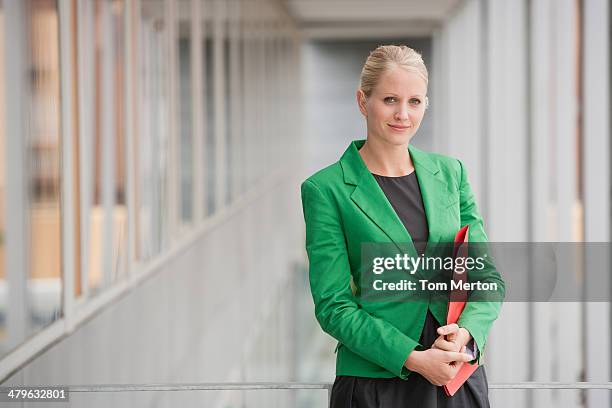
(313, 385)
(244, 386)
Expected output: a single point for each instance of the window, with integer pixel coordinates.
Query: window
(30, 239)
(209, 144)
(102, 143)
(185, 110)
(153, 132)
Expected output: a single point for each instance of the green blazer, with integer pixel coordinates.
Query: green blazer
(344, 207)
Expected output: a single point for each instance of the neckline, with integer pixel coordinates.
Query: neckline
(394, 177)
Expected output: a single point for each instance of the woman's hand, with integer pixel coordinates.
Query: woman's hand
(456, 338)
(437, 366)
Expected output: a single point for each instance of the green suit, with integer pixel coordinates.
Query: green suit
(343, 208)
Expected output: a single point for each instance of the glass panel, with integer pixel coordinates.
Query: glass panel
(3, 282)
(234, 113)
(185, 106)
(30, 238)
(75, 116)
(94, 103)
(154, 130)
(245, 109)
(90, 160)
(119, 257)
(229, 126)
(44, 285)
(259, 94)
(209, 115)
(102, 162)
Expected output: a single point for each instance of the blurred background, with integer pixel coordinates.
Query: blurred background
(151, 153)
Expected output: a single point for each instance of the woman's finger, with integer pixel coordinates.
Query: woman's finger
(443, 344)
(448, 329)
(456, 356)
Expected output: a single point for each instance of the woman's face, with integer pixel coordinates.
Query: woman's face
(396, 106)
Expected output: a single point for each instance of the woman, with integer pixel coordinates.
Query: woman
(384, 189)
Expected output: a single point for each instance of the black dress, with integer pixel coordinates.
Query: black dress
(404, 195)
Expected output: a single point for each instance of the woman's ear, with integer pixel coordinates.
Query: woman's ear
(361, 101)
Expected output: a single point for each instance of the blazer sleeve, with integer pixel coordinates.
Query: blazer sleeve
(335, 308)
(479, 313)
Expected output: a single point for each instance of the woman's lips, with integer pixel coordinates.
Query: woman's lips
(398, 128)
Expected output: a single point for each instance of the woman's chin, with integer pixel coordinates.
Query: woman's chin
(398, 140)
(392, 138)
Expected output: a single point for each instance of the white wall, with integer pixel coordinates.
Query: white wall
(509, 79)
(220, 311)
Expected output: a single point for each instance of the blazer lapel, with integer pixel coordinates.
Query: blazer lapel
(437, 197)
(370, 198)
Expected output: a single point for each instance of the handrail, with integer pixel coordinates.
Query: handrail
(312, 385)
(242, 386)
(198, 386)
(308, 385)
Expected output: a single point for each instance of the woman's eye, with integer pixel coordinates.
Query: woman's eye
(416, 100)
(389, 99)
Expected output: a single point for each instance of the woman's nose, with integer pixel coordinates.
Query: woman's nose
(402, 113)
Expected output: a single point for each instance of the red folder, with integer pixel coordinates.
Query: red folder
(456, 303)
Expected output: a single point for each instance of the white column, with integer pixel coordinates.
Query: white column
(596, 182)
(17, 203)
(505, 177)
(197, 96)
(540, 144)
(235, 117)
(108, 143)
(565, 181)
(68, 169)
(260, 137)
(250, 107)
(85, 55)
(206, 17)
(174, 185)
(219, 103)
(458, 97)
(132, 108)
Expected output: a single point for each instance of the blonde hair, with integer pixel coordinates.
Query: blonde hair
(386, 57)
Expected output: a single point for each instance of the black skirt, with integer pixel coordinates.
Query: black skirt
(415, 391)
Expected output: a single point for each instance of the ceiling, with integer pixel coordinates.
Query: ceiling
(369, 18)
